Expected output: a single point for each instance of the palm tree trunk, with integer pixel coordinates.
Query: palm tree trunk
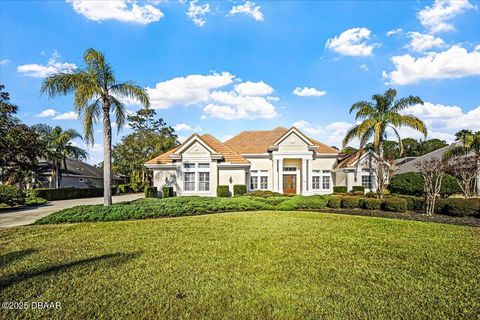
(107, 157)
(381, 174)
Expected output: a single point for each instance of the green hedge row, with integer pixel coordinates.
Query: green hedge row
(411, 183)
(11, 196)
(68, 193)
(349, 202)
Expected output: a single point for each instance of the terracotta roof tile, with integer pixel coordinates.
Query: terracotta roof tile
(348, 159)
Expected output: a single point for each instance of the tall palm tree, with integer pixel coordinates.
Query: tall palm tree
(96, 94)
(379, 117)
(469, 143)
(57, 146)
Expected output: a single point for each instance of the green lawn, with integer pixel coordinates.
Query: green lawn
(259, 265)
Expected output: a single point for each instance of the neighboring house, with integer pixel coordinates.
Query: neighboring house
(409, 164)
(281, 160)
(76, 174)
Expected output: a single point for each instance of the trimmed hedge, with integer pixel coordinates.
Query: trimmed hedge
(303, 202)
(223, 191)
(394, 204)
(358, 193)
(349, 202)
(239, 189)
(11, 195)
(411, 183)
(334, 202)
(458, 207)
(68, 193)
(340, 189)
(358, 188)
(265, 193)
(371, 195)
(167, 192)
(372, 204)
(150, 192)
(35, 201)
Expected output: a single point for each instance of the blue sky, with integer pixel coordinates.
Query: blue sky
(224, 67)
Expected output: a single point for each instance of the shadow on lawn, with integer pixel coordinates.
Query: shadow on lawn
(109, 260)
(6, 259)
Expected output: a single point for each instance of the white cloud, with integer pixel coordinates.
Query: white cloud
(249, 88)
(230, 106)
(247, 9)
(197, 12)
(121, 10)
(352, 42)
(331, 134)
(47, 113)
(42, 71)
(421, 41)
(186, 127)
(436, 18)
(4, 61)
(71, 115)
(456, 62)
(364, 67)
(394, 32)
(308, 92)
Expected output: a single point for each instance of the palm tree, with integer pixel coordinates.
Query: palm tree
(377, 119)
(57, 146)
(468, 143)
(96, 94)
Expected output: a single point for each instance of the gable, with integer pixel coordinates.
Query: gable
(293, 142)
(195, 150)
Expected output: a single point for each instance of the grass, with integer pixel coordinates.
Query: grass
(263, 265)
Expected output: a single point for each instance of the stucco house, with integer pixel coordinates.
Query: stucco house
(281, 160)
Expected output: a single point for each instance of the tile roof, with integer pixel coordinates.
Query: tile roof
(252, 142)
(348, 160)
(228, 154)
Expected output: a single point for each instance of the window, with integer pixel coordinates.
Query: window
(81, 180)
(204, 181)
(203, 165)
(289, 169)
(189, 180)
(189, 165)
(253, 182)
(325, 182)
(264, 182)
(316, 182)
(367, 182)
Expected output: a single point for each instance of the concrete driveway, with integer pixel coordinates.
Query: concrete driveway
(24, 216)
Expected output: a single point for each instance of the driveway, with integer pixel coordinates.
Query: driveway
(21, 217)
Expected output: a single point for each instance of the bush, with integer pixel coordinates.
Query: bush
(167, 192)
(349, 202)
(124, 188)
(303, 202)
(358, 189)
(372, 204)
(371, 195)
(68, 193)
(458, 207)
(334, 202)
(411, 183)
(150, 192)
(394, 204)
(358, 193)
(340, 189)
(35, 201)
(11, 195)
(239, 189)
(264, 193)
(223, 191)
(274, 201)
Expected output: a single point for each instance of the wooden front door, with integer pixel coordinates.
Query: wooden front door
(290, 183)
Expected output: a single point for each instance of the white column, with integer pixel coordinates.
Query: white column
(309, 176)
(280, 175)
(304, 176)
(274, 176)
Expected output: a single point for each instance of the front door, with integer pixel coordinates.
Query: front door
(290, 183)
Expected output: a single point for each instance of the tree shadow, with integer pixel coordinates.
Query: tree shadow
(8, 258)
(113, 260)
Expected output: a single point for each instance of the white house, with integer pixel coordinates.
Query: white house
(281, 160)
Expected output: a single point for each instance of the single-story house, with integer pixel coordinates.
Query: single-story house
(281, 160)
(74, 173)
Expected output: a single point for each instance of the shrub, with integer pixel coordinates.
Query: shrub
(167, 192)
(358, 189)
(150, 192)
(68, 193)
(334, 202)
(349, 202)
(411, 183)
(264, 193)
(124, 188)
(358, 193)
(303, 202)
(239, 189)
(340, 189)
(11, 195)
(223, 192)
(458, 207)
(371, 195)
(361, 202)
(394, 204)
(372, 204)
(274, 201)
(35, 201)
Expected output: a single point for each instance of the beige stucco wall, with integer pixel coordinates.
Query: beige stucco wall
(292, 143)
(238, 176)
(323, 163)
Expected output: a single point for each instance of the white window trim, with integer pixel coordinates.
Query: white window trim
(371, 181)
(259, 174)
(196, 170)
(322, 174)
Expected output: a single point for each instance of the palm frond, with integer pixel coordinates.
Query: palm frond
(399, 120)
(404, 103)
(400, 143)
(91, 114)
(360, 105)
(130, 90)
(119, 111)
